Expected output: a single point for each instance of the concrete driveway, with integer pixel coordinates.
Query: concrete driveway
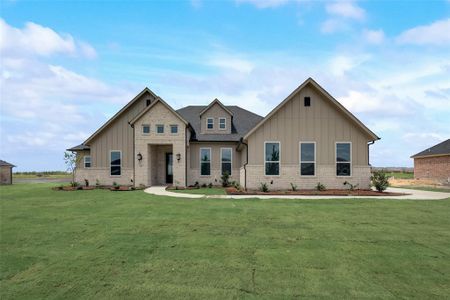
(412, 195)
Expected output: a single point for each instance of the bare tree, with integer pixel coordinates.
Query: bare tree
(71, 160)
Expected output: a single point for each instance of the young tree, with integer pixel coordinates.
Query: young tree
(71, 159)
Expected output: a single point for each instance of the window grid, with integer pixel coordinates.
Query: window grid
(87, 161)
(173, 129)
(115, 162)
(222, 123)
(209, 123)
(145, 129)
(343, 165)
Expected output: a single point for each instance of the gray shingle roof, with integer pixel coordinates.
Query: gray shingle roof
(243, 121)
(439, 149)
(5, 163)
(79, 148)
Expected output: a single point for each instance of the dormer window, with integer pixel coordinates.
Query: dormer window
(222, 123)
(210, 123)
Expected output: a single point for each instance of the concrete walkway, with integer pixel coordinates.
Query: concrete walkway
(412, 195)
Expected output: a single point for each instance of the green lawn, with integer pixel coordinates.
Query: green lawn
(102, 244)
(400, 175)
(204, 191)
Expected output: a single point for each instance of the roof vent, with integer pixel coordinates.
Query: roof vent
(307, 101)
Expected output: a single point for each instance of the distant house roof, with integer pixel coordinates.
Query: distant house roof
(243, 122)
(5, 163)
(437, 150)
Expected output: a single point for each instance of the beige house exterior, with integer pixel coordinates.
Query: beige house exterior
(308, 138)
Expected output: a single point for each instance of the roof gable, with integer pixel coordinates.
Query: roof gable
(120, 112)
(216, 101)
(6, 164)
(442, 148)
(158, 100)
(327, 96)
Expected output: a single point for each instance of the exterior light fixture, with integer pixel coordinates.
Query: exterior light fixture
(178, 156)
(139, 156)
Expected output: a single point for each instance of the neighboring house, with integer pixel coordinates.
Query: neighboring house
(6, 172)
(433, 163)
(308, 138)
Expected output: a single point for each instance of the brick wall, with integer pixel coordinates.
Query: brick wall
(326, 174)
(437, 168)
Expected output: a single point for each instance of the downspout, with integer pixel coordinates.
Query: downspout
(134, 158)
(368, 157)
(246, 162)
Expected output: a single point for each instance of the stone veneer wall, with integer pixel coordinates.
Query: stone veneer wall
(103, 175)
(436, 168)
(326, 174)
(215, 178)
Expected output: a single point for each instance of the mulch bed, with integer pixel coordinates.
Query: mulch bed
(89, 188)
(331, 192)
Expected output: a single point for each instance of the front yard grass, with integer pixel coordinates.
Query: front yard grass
(102, 244)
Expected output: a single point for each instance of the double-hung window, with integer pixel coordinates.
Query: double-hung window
(210, 123)
(222, 123)
(307, 158)
(343, 159)
(116, 163)
(205, 161)
(87, 161)
(225, 160)
(272, 158)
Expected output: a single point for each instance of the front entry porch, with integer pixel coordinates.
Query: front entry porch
(160, 167)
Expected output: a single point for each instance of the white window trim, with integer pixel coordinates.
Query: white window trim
(207, 119)
(84, 161)
(172, 125)
(336, 162)
(149, 129)
(279, 161)
(225, 123)
(231, 160)
(121, 168)
(300, 158)
(210, 161)
(156, 128)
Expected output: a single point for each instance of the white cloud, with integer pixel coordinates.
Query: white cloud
(231, 62)
(333, 25)
(346, 9)
(375, 37)
(437, 33)
(264, 3)
(37, 40)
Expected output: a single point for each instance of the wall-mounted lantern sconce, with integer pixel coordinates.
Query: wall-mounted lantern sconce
(178, 156)
(139, 156)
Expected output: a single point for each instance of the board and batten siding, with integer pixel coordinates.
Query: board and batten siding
(117, 136)
(321, 122)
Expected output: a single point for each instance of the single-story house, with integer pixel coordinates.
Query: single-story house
(308, 138)
(433, 163)
(6, 172)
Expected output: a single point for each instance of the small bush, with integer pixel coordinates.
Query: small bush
(236, 185)
(74, 184)
(197, 185)
(263, 187)
(86, 182)
(225, 179)
(204, 185)
(320, 187)
(380, 181)
(210, 185)
(97, 182)
(350, 185)
(293, 186)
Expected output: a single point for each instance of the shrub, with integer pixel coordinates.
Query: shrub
(210, 185)
(320, 187)
(86, 182)
(204, 185)
(115, 185)
(74, 184)
(263, 187)
(350, 185)
(236, 185)
(97, 182)
(380, 180)
(197, 185)
(225, 179)
(293, 187)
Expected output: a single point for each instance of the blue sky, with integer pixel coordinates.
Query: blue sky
(68, 66)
